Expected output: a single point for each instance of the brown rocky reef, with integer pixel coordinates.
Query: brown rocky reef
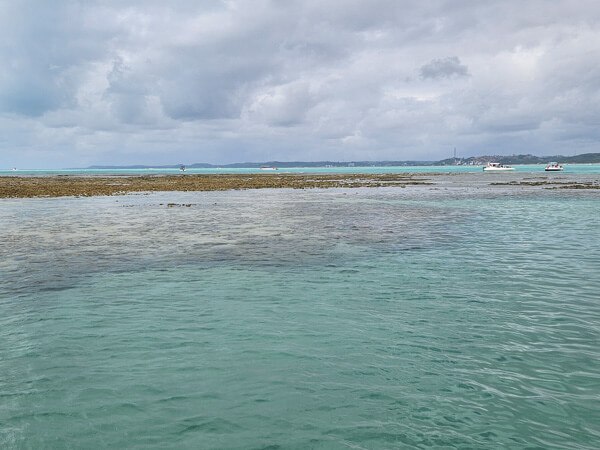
(61, 186)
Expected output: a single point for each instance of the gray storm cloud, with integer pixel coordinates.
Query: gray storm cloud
(444, 68)
(223, 81)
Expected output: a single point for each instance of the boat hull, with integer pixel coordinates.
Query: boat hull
(498, 169)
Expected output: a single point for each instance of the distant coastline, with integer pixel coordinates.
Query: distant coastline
(585, 158)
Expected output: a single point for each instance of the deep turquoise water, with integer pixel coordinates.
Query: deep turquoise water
(569, 168)
(457, 315)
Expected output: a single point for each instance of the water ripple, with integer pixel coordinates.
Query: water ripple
(380, 318)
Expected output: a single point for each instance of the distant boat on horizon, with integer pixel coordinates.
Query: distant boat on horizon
(267, 168)
(553, 166)
(497, 167)
(182, 168)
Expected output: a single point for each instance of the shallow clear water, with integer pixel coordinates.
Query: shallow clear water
(457, 315)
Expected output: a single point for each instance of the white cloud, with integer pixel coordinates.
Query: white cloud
(220, 81)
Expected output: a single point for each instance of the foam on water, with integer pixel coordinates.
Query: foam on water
(442, 316)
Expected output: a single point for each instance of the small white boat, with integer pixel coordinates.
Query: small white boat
(553, 167)
(267, 168)
(182, 168)
(497, 167)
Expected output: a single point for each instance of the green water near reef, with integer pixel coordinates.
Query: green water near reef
(369, 318)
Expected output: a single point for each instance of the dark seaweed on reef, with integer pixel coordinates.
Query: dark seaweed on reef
(552, 184)
(23, 187)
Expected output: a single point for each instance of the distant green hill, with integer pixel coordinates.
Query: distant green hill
(585, 158)
(530, 159)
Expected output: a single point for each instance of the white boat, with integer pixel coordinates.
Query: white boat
(497, 167)
(267, 168)
(553, 167)
(182, 168)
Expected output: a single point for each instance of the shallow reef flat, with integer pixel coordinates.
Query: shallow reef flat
(62, 186)
(87, 186)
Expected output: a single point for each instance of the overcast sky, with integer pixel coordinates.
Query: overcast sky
(183, 81)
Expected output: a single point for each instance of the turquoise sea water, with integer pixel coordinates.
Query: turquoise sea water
(569, 168)
(456, 315)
